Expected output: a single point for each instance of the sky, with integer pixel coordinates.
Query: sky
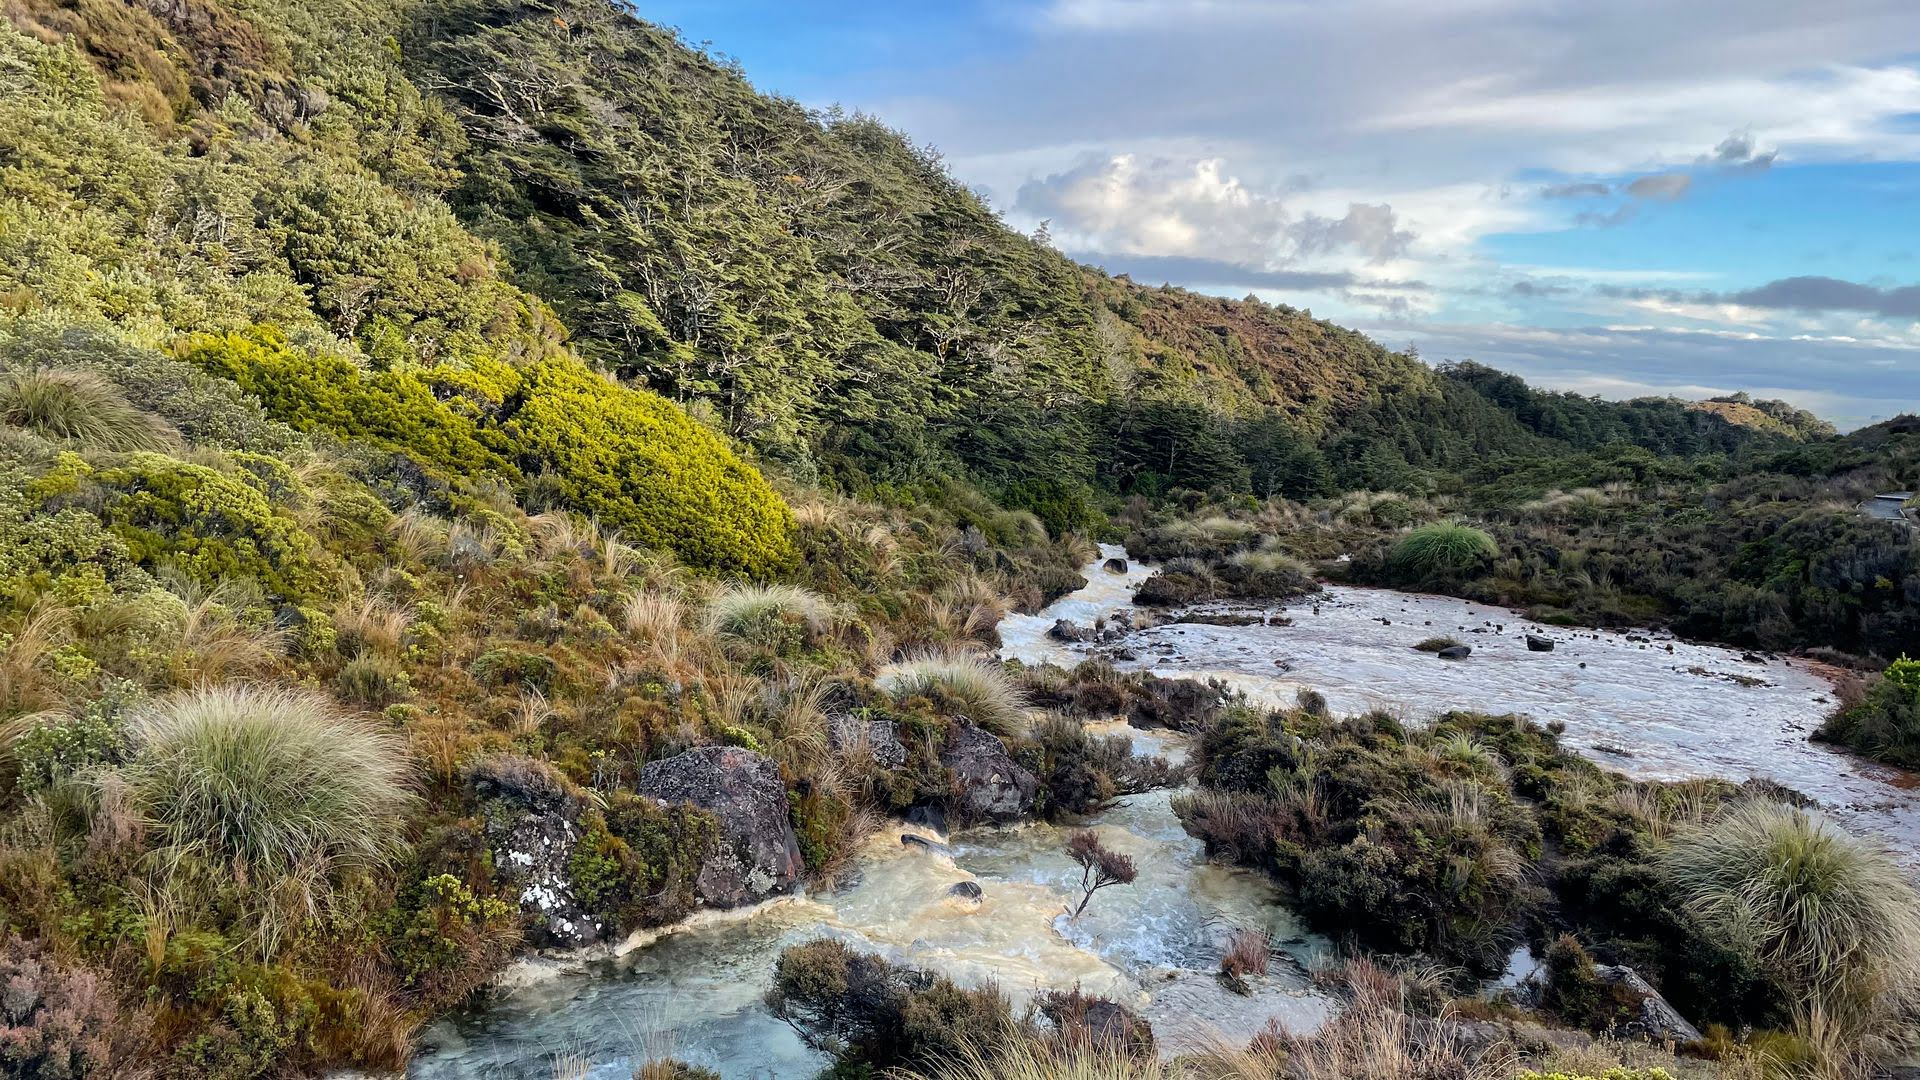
(1622, 198)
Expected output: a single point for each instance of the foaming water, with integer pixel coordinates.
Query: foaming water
(696, 993)
(1024, 637)
(1647, 704)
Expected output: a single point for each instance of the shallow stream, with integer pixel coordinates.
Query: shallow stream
(1641, 702)
(1645, 704)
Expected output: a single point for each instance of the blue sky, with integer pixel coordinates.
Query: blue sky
(1629, 198)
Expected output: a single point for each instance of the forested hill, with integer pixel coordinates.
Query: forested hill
(440, 186)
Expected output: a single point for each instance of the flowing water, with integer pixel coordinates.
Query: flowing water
(695, 993)
(1645, 704)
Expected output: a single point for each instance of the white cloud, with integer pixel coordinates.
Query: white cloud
(1124, 205)
(1157, 207)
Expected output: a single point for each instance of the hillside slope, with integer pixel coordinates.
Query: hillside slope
(815, 285)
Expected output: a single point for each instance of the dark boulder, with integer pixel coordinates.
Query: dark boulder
(760, 857)
(848, 734)
(1653, 1019)
(987, 785)
(1068, 630)
(1455, 652)
(1536, 643)
(928, 816)
(1114, 566)
(921, 843)
(965, 890)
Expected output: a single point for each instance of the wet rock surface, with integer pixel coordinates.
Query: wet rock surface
(989, 787)
(760, 857)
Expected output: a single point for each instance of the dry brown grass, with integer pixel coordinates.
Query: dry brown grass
(213, 644)
(652, 616)
(1249, 952)
(26, 682)
(371, 625)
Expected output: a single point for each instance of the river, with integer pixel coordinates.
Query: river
(1646, 704)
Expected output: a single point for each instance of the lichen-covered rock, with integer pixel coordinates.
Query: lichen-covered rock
(531, 819)
(850, 734)
(988, 786)
(758, 856)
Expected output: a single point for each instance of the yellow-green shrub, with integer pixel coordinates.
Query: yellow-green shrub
(638, 463)
(211, 524)
(395, 409)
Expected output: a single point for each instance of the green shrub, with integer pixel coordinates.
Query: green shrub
(67, 553)
(508, 666)
(883, 1015)
(638, 463)
(637, 862)
(210, 524)
(1442, 549)
(372, 682)
(55, 748)
(273, 787)
(396, 410)
(444, 939)
(1886, 724)
(206, 409)
(1574, 991)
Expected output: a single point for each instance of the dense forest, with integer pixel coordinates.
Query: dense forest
(422, 421)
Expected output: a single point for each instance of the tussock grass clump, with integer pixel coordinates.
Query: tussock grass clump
(981, 690)
(79, 407)
(762, 614)
(275, 786)
(1830, 918)
(1269, 561)
(651, 616)
(1441, 549)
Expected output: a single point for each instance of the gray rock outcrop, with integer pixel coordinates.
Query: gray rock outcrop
(849, 734)
(759, 857)
(530, 817)
(989, 787)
